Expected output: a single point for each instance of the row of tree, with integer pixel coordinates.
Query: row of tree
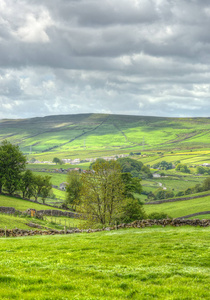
(14, 177)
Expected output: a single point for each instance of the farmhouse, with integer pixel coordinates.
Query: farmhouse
(156, 175)
(206, 165)
(63, 186)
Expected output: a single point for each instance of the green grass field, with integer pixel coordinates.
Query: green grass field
(58, 223)
(11, 221)
(180, 208)
(20, 204)
(150, 263)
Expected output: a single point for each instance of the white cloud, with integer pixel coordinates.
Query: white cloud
(34, 29)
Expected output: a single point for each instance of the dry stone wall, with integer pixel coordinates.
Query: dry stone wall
(48, 212)
(8, 210)
(135, 224)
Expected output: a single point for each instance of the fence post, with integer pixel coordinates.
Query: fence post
(5, 231)
(65, 229)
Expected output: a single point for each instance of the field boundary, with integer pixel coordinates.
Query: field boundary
(39, 213)
(176, 199)
(195, 214)
(136, 224)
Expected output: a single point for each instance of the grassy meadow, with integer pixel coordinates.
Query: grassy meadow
(20, 222)
(11, 221)
(180, 208)
(20, 204)
(150, 263)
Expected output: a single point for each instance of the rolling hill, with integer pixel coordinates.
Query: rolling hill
(86, 135)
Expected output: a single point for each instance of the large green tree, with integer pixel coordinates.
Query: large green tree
(102, 192)
(57, 160)
(12, 164)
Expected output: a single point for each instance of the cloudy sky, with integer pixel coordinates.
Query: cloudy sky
(140, 57)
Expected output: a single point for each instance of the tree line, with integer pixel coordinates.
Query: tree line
(14, 178)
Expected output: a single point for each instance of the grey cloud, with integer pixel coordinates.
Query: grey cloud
(138, 57)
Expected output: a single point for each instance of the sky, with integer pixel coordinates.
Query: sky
(133, 57)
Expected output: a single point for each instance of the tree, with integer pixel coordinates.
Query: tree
(182, 168)
(57, 161)
(42, 187)
(102, 192)
(136, 168)
(163, 165)
(27, 184)
(206, 184)
(132, 185)
(12, 163)
(132, 210)
(73, 188)
(98, 161)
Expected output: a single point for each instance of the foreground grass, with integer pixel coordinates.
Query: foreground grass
(150, 263)
(180, 208)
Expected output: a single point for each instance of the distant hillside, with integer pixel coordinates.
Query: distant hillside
(84, 134)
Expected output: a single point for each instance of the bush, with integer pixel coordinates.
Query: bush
(158, 216)
(179, 194)
(182, 168)
(188, 191)
(132, 210)
(206, 184)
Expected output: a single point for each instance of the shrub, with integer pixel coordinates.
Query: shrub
(158, 216)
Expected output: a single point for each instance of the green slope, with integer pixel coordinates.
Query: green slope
(180, 208)
(84, 134)
(20, 204)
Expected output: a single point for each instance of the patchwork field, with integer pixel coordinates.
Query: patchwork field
(94, 135)
(152, 263)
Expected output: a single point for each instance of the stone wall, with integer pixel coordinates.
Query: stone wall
(8, 210)
(48, 212)
(56, 213)
(175, 199)
(195, 214)
(135, 224)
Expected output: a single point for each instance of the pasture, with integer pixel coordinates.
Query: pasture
(180, 208)
(150, 263)
(21, 204)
